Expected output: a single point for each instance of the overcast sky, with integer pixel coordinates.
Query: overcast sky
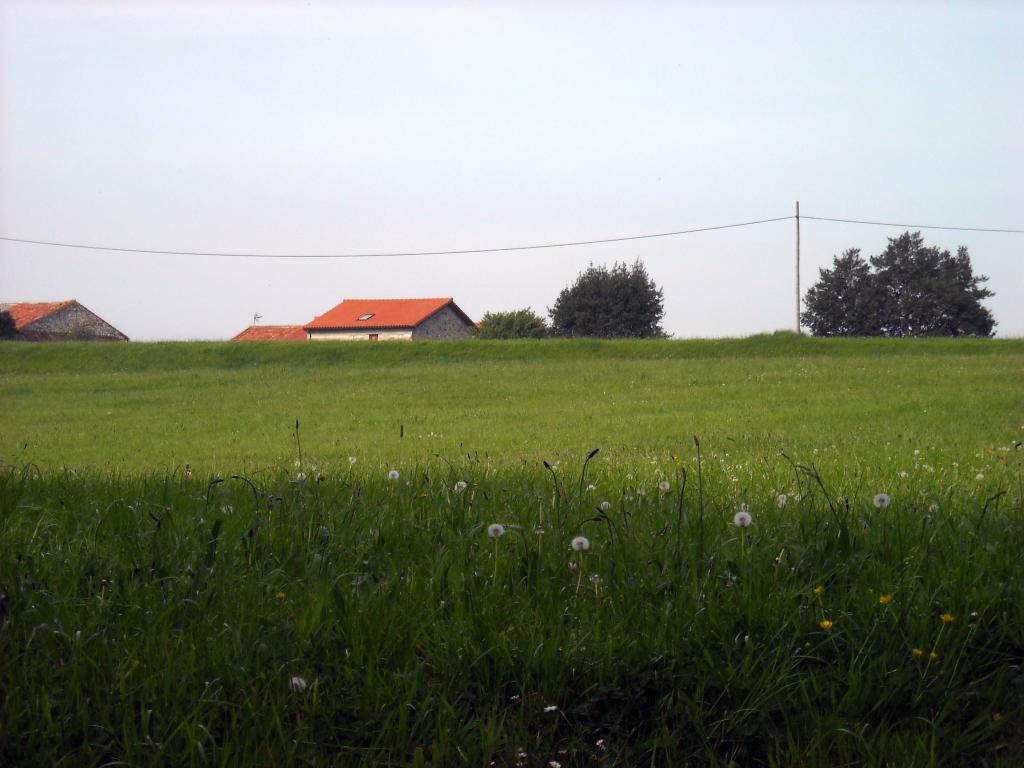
(351, 128)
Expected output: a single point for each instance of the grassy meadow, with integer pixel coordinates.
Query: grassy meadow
(433, 568)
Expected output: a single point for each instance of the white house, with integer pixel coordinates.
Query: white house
(388, 319)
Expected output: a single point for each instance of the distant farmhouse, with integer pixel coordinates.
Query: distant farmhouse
(60, 321)
(272, 333)
(388, 319)
(374, 320)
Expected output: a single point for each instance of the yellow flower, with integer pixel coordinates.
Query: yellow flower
(933, 656)
(917, 652)
(818, 591)
(997, 717)
(825, 624)
(280, 596)
(947, 618)
(972, 625)
(885, 599)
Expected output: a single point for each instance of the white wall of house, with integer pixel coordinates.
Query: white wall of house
(360, 335)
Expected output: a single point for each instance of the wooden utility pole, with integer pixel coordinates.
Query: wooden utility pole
(798, 266)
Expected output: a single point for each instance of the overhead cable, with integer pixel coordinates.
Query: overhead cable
(386, 255)
(467, 251)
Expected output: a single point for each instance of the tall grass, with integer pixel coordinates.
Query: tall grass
(329, 615)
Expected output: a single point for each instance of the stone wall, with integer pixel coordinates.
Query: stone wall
(446, 324)
(72, 323)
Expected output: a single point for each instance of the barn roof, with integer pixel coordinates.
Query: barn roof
(382, 313)
(25, 312)
(272, 333)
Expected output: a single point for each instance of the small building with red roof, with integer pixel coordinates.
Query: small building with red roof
(59, 321)
(389, 319)
(272, 333)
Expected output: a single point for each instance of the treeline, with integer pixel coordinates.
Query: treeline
(910, 289)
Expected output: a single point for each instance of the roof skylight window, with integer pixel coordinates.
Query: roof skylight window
(367, 316)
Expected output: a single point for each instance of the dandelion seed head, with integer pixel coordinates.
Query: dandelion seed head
(351, 459)
(580, 544)
(664, 485)
(742, 518)
(882, 500)
(298, 684)
(495, 530)
(459, 486)
(393, 474)
(780, 500)
(591, 488)
(605, 506)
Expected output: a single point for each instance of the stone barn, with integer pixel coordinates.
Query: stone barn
(390, 319)
(60, 321)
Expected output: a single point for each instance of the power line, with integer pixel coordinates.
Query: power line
(915, 226)
(387, 255)
(467, 251)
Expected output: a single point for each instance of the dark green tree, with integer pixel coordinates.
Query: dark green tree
(621, 302)
(516, 324)
(8, 328)
(913, 290)
(923, 291)
(843, 301)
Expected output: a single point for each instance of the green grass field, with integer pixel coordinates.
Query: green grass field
(229, 406)
(188, 579)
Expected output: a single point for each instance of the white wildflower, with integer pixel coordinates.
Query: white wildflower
(882, 500)
(780, 500)
(298, 684)
(495, 530)
(460, 486)
(580, 544)
(980, 476)
(664, 485)
(351, 459)
(742, 518)
(604, 506)
(393, 474)
(904, 475)
(591, 487)
(551, 708)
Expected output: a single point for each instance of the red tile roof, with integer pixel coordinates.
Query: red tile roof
(272, 333)
(25, 312)
(384, 313)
